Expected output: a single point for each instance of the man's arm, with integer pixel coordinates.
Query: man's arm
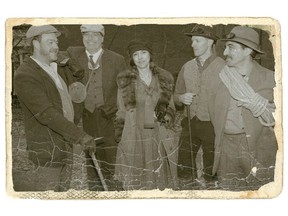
(180, 88)
(122, 64)
(30, 91)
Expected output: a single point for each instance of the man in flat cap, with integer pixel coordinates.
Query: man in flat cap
(48, 116)
(191, 91)
(97, 108)
(241, 111)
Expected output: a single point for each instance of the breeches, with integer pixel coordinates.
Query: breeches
(202, 136)
(235, 161)
(97, 126)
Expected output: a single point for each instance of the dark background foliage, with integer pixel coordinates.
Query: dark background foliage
(171, 47)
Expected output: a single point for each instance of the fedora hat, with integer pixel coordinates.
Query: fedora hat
(246, 36)
(203, 31)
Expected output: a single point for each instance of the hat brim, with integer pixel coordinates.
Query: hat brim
(85, 31)
(202, 35)
(45, 32)
(243, 42)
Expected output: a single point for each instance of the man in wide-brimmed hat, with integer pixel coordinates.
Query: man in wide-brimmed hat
(241, 113)
(191, 91)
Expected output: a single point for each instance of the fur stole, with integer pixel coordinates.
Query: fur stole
(126, 81)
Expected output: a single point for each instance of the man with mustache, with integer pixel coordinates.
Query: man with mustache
(241, 112)
(191, 91)
(48, 115)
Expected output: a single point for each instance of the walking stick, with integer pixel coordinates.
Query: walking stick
(190, 141)
(96, 164)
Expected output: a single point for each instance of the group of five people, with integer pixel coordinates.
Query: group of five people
(227, 109)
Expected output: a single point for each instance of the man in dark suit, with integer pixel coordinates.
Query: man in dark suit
(97, 72)
(48, 116)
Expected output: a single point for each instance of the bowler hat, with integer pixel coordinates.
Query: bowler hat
(92, 28)
(203, 31)
(246, 36)
(138, 44)
(34, 31)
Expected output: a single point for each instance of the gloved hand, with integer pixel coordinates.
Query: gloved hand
(76, 70)
(88, 143)
(160, 112)
(118, 129)
(169, 119)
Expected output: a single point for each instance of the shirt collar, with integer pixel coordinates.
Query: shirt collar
(51, 70)
(95, 55)
(207, 61)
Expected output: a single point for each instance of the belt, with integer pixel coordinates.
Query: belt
(235, 134)
(195, 118)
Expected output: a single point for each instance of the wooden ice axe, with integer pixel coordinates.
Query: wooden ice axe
(99, 140)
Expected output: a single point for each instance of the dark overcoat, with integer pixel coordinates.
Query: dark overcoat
(49, 134)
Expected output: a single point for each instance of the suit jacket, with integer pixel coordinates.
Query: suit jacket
(112, 64)
(48, 132)
(261, 140)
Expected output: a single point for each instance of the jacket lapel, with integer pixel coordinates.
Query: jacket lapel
(254, 78)
(41, 72)
(83, 60)
(105, 69)
(222, 102)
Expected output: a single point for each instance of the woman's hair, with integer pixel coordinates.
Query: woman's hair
(153, 67)
(132, 63)
(136, 45)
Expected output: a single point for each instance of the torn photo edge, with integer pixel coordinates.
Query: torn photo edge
(270, 190)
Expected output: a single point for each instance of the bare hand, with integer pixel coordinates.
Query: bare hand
(187, 98)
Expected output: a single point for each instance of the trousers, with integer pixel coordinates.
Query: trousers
(96, 125)
(202, 136)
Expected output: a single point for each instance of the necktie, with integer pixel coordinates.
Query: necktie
(93, 64)
(200, 66)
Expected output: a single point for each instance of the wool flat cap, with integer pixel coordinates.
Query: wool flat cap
(92, 28)
(34, 31)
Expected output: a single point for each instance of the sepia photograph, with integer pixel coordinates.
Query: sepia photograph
(144, 108)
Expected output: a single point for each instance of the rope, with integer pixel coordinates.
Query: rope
(243, 92)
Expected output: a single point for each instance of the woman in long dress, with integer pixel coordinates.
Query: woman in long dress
(144, 123)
